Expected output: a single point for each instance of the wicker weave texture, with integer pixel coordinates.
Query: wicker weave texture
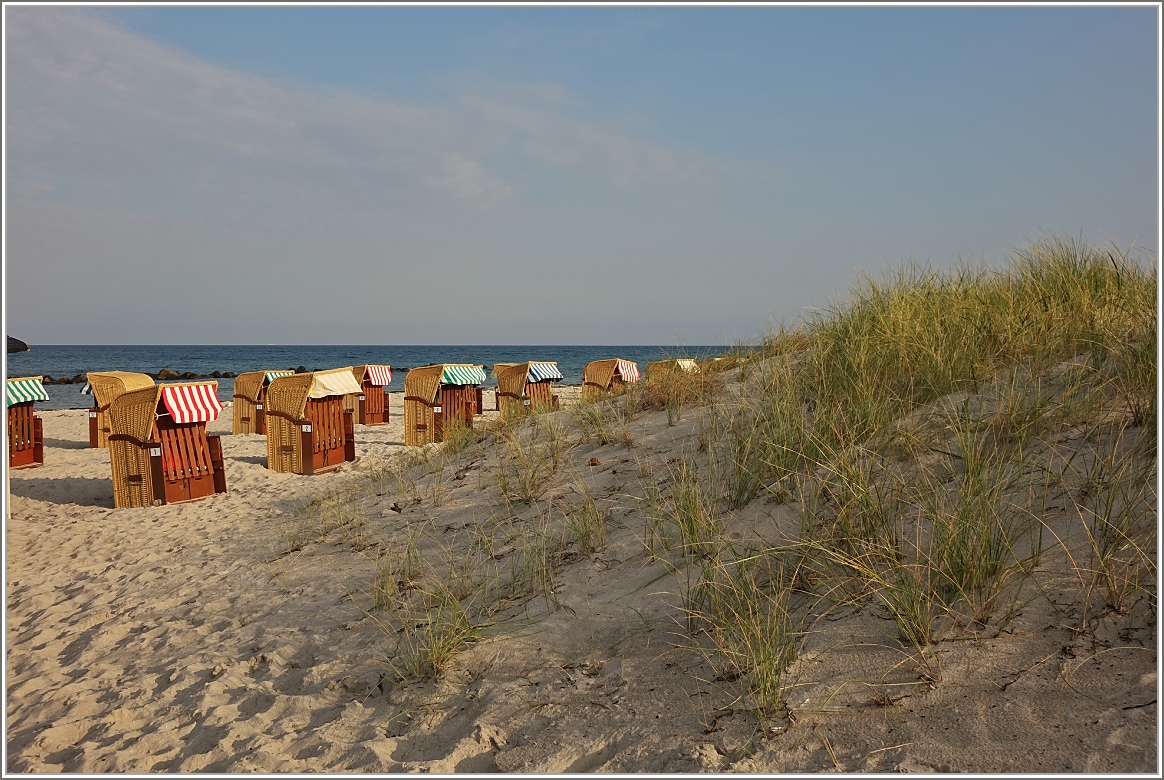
(512, 379)
(597, 379)
(658, 367)
(132, 415)
(423, 382)
(130, 464)
(107, 387)
(286, 400)
(248, 389)
(249, 385)
(288, 394)
(421, 389)
(419, 422)
(352, 403)
(511, 384)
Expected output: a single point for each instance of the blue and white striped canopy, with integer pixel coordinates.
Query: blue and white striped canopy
(24, 390)
(87, 389)
(540, 372)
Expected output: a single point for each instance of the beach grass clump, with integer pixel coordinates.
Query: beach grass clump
(586, 521)
(672, 388)
(915, 424)
(849, 374)
(431, 627)
(530, 457)
(743, 607)
(1115, 503)
(458, 436)
(923, 334)
(531, 567)
(603, 422)
(683, 512)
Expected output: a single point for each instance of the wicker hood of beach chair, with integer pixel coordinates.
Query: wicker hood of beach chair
(106, 387)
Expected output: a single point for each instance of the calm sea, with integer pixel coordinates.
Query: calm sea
(69, 360)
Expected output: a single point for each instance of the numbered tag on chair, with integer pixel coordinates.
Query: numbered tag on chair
(436, 409)
(307, 429)
(155, 452)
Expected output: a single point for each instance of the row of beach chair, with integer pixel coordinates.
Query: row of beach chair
(161, 453)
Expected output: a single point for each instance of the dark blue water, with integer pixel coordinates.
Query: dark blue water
(69, 360)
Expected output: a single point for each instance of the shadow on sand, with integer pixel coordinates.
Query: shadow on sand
(258, 460)
(66, 444)
(81, 491)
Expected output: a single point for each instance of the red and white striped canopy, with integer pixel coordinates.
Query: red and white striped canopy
(192, 403)
(628, 371)
(379, 375)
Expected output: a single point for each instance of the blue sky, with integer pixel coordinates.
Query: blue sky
(548, 175)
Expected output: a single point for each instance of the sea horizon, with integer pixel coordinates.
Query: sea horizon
(58, 361)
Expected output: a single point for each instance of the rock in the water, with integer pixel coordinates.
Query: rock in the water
(216, 374)
(229, 374)
(79, 379)
(166, 373)
(301, 370)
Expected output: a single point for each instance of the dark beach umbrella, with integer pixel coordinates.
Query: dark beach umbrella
(16, 345)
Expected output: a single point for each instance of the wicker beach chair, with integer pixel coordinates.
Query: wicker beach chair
(159, 450)
(436, 395)
(659, 367)
(250, 396)
(524, 387)
(106, 387)
(25, 431)
(604, 378)
(370, 405)
(498, 368)
(308, 429)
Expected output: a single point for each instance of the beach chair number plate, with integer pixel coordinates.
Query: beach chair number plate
(436, 408)
(362, 398)
(307, 429)
(156, 452)
(92, 414)
(526, 402)
(258, 406)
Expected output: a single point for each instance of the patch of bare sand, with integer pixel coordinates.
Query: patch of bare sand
(238, 634)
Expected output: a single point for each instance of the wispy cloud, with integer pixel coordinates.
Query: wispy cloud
(97, 112)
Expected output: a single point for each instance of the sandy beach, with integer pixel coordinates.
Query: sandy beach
(247, 632)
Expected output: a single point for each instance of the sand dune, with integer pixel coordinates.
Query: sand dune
(240, 633)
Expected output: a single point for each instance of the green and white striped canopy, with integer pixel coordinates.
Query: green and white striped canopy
(23, 390)
(462, 375)
(276, 374)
